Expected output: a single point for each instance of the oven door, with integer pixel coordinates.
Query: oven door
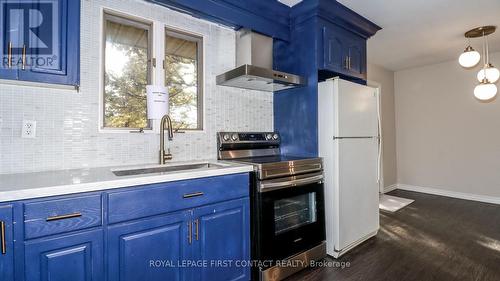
(292, 217)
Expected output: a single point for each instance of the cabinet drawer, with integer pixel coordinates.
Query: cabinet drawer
(61, 215)
(162, 198)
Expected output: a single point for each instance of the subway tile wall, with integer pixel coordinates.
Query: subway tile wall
(67, 121)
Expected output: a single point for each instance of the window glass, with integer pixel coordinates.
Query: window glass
(126, 72)
(183, 76)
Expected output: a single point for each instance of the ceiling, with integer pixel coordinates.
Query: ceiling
(417, 33)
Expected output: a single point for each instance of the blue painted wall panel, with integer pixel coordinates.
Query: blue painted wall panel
(295, 110)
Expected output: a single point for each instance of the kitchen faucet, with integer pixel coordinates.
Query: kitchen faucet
(165, 156)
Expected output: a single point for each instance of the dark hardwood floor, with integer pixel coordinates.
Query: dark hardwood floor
(434, 238)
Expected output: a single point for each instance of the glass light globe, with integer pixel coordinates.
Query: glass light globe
(492, 74)
(485, 90)
(469, 58)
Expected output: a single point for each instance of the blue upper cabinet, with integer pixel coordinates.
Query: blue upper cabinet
(344, 52)
(8, 35)
(41, 41)
(7, 244)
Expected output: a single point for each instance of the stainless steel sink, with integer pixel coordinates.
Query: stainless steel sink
(166, 169)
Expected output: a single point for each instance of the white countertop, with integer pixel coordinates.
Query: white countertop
(51, 183)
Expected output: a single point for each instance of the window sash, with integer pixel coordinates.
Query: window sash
(109, 17)
(199, 68)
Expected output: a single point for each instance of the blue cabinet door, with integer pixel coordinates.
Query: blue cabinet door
(76, 257)
(9, 36)
(334, 56)
(221, 235)
(356, 51)
(45, 41)
(7, 245)
(149, 249)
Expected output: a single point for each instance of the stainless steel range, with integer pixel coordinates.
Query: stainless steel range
(287, 203)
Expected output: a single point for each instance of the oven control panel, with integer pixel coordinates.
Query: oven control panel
(248, 137)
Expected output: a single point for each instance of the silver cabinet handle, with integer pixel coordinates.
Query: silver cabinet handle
(24, 57)
(4, 243)
(9, 55)
(194, 194)
(62, 217)
(197, 225)
(190, 232)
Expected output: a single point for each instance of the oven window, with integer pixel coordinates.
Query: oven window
(294, 212)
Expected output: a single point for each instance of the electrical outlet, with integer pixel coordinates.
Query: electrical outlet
(29, 129)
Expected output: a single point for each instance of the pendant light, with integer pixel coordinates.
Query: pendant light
(489, 71)
(469, 58)
(488, 75)
(492, 73)
(486, 90)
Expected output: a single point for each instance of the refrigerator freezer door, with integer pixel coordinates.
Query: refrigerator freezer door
(357, 190)
(357, 110)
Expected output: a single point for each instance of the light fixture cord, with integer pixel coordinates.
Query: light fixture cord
(487, 51)
(484, 54)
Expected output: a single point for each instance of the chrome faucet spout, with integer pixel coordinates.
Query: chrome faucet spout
(165, 156)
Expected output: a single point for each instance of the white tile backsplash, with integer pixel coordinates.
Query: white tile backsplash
(68, 121)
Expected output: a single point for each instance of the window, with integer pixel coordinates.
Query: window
(129, 65)
(126, 72)
(183, 77)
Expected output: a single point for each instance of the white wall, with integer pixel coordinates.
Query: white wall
(386, 79)
(67, 121)
(446, 139)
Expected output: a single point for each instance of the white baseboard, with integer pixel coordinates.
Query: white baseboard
(449, 193)
(390, 188)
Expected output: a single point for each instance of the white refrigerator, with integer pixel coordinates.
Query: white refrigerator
(348, 116)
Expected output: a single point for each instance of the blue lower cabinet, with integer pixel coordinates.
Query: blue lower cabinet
(199, 230)
(7, 245)
(77, 257)
(205, 243)
(149, 249)
(222, 240)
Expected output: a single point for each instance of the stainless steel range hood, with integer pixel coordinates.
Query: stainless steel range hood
(254, 58)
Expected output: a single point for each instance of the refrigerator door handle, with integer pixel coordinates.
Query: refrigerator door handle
(340, 138)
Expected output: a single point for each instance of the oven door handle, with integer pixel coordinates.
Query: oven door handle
(264, 187)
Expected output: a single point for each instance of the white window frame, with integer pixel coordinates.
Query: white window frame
(158, 30)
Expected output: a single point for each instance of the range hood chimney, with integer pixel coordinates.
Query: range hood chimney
(254, 58)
